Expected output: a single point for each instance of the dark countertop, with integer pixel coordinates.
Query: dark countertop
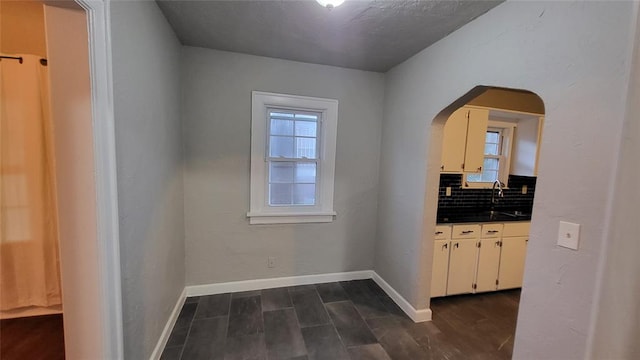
(482, 216)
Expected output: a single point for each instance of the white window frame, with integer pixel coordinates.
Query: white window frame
(260, 212)
(507, 131)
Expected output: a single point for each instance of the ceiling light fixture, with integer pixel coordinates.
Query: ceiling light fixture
(330, 4)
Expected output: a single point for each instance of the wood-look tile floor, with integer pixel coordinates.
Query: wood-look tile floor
(347, 320)
(33, 338)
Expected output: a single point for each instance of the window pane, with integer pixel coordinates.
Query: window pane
(306, 148)
(489, 171)
(281, 146)
(281, 127)
(304, 194)
(490, 164)
(305, 173)
(306, 128)
(491, 149)
(281, 172)
(280, 194)
(489, 176)
(493, 137)
(474, 177)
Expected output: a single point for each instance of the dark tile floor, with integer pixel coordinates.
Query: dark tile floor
(347, 320)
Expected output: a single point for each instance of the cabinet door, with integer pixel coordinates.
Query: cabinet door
(440, 268)
(476, 138)
(462, 266)
(488, 264)
(453, 141)
(514, 251)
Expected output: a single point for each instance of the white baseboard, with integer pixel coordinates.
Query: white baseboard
(166, 332)
(258, 284)
(415, 315)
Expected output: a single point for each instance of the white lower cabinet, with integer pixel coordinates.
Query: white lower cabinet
(462, 258)
(488, 258)
(440, 268)
(471, 258)
(514, 251)
(488, 265)
(462, 266)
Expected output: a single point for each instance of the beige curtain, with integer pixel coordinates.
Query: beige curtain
(28, 222)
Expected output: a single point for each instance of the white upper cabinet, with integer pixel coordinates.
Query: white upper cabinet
(454, 141)
(526, 149)
(476, 137)
(463, 140)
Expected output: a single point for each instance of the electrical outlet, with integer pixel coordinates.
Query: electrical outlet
(448, 191)
(569, 235)
(271, 262)
(524, 189)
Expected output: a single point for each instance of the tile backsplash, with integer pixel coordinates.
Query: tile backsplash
(474, 200)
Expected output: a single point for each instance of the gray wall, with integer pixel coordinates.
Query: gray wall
(575, 56)
(220, 244)
(617, 328)
(146, 71)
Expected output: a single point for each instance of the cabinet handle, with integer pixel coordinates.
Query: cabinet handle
(492, 231)
(438, 232)
(462, 166)
(442, 168)
(480, 169)
(445, 246)
(457, 245)
(467, 232)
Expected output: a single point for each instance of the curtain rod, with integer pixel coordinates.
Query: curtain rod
(43, 62)
(19, 58)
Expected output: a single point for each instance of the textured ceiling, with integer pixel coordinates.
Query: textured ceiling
(360, 34)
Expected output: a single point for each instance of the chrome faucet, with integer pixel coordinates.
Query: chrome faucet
(493, 192)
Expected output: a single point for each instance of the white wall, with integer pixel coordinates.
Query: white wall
(68, 54)
(220, 244)
(617, 328)
(525, 146)
(574, 55)
(146, 79)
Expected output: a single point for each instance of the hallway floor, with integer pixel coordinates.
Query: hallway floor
(33, 338)
(347, 320)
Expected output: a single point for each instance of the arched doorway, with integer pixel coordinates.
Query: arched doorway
(488, 142)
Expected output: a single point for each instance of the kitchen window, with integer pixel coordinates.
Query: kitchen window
(497, 149)
(293, 141)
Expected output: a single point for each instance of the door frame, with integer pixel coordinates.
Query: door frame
(108, 264)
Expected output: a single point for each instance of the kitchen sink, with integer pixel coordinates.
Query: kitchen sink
(515, 214)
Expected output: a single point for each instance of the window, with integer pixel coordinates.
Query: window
(292, 157)
(496, 156)
(293, 140)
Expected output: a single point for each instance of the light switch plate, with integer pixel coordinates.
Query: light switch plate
(569, 235)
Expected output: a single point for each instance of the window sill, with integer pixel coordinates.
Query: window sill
(290, 218)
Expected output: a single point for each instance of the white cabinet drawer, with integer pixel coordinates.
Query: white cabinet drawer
(465, 232)
(491, 230)
(443, 232)
(516, 229)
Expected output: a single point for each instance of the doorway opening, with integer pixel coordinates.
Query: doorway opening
(70, 40)
(490, 145)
